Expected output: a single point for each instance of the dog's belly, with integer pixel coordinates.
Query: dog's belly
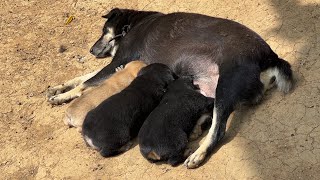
(207, 80)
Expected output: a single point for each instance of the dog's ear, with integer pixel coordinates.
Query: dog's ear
(112, 14)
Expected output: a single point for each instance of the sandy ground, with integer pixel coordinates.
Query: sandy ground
(278, 139)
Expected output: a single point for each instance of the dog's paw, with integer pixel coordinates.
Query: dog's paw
(56, 90)
(62, 98)
(195, 159)
(119, 68)
(51, 92)
(56, 100)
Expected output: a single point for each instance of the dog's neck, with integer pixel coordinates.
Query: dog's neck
(136, 17)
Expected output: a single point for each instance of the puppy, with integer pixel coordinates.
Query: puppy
(79, 108)
(117, 120)
(164, 134)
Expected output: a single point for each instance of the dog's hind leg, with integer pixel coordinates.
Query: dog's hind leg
(239, 86)
(71, 84)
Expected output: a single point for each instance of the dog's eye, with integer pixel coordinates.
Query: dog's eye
(105, 29)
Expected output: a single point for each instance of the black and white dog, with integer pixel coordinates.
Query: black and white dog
(112, 125)
(164, 134)
(225, 59)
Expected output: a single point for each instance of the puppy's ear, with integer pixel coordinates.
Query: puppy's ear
(189, 82)
(174, 75)
(112, 14)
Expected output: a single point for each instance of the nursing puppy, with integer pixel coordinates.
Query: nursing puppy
(164, 134)
(117, 120)
(79, 108)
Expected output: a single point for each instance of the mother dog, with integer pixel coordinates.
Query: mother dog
(225, 59)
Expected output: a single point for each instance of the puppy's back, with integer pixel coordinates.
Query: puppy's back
(164, 135)
(78, 109)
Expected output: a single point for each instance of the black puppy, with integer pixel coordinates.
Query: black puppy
(117, 120)
(164, 135)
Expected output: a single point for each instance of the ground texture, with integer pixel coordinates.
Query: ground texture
(278, 139)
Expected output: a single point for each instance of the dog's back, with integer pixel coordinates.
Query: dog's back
(112, 124)
(78, 109)
(164, 135)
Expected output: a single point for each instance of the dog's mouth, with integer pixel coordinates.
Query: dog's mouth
(104, 53)
(103, 48)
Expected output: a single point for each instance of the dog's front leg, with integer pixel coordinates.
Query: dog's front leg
(67, 86)
(69, 90)
(84, 82)
(107, 71)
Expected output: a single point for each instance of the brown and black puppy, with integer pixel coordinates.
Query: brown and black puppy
(111, 126)
(164, 135)
(79, 108)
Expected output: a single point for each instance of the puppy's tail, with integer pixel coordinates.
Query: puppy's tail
(280, 74)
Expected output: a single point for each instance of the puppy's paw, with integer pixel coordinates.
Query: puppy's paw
(197, 132)
(119, 68)
(195, 159)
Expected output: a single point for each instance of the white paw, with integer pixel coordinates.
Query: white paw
(56, 100)
(119, 68)
(62, 98)
(52, 91)
(195, 159)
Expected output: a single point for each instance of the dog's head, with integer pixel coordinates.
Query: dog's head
(114, 29)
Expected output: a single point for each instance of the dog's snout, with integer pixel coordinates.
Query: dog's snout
(101, 48)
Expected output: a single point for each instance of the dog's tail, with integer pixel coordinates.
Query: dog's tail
(279, 73)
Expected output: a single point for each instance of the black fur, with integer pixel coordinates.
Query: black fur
(118, 119)
(167, 128)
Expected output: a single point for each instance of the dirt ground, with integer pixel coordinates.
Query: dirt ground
(278, 139)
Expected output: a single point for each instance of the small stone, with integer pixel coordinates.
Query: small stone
(62, 49)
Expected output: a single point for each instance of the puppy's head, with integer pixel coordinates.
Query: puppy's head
(134, 67)
(116, 24)
(158, 72)
(183, 83)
